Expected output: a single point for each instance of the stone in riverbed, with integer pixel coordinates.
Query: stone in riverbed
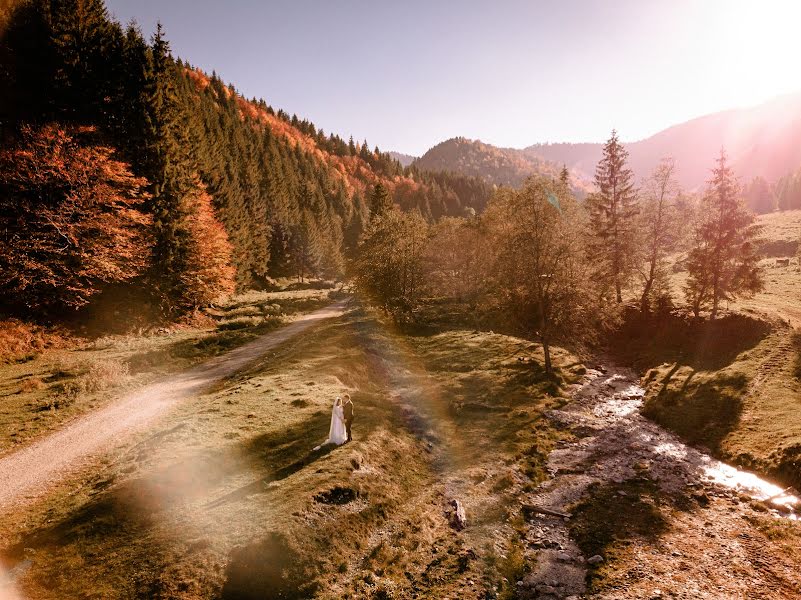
(594, 560)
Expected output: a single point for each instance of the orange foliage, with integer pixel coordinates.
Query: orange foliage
(18, 339)
(198, 78)
(70, 219)
(353, 171)
(209, 273)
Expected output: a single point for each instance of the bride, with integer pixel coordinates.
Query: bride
(336, 433)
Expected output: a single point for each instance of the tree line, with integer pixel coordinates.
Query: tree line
(560, 270)
(106, 134)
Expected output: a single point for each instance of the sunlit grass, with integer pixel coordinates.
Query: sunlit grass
(228, 487)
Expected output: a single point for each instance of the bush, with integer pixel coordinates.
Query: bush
(83, 378)
(21, 341)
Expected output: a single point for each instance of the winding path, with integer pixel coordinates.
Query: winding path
(29, 471)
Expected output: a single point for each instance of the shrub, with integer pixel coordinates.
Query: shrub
(21, 341)
(87, 378)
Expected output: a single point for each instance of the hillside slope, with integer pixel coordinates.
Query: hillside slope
(761, 141)
(290, 199)
(497, 166)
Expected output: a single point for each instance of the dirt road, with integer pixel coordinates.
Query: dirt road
(28, 472)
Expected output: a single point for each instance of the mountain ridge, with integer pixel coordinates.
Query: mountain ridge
(761, 141)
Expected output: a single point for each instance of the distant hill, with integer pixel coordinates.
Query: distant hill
(761, 141)
(404, 159)
(497, 166)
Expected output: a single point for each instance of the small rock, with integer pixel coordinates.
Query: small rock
(545, 589)
(594, 560)
(564, 557)
(621, 493)
(458, 516)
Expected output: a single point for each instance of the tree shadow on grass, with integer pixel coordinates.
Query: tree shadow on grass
(645, 342)
(701, 411)
(113, 532)
(606, 521)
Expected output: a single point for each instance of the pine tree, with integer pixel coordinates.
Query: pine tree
(85, 46)
(613, 210)
(305, 246)
(564, 176)
(167, 165)
(723, 263)
(380, 201)
(759, 196)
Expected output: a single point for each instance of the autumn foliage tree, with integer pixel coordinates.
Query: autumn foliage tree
(207, 273)
(458, 260)
(542, 277)
(71, 219)
(389, 268)
(722, 263)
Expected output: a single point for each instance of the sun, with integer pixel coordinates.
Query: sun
(757, 46)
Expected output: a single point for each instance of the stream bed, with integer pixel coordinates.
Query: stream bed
(614, 444)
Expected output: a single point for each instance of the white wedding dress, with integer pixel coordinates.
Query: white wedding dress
(337, 434)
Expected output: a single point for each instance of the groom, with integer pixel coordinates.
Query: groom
(347, 409)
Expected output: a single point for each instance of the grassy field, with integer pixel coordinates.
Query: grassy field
(227, 498)
(39, 391)
(733, 386)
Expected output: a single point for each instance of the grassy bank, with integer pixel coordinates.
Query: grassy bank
(41, 390)
(732, 385)
(227, 499)
(747, 411)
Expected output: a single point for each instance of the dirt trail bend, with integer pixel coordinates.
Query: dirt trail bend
(29, 471)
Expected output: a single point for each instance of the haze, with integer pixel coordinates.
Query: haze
(408, 75)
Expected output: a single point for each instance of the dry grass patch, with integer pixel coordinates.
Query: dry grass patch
(228, 499)
(40, 391)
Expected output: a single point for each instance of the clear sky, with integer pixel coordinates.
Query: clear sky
(407, 74)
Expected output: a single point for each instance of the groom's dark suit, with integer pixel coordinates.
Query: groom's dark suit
(347, 410)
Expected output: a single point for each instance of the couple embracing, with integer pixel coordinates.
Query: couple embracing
(341, 421)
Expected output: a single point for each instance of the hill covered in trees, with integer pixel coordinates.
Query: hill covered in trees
(497, 166)
(761, 143)
(204, 190)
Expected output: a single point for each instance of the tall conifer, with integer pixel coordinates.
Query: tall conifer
(613, 210)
